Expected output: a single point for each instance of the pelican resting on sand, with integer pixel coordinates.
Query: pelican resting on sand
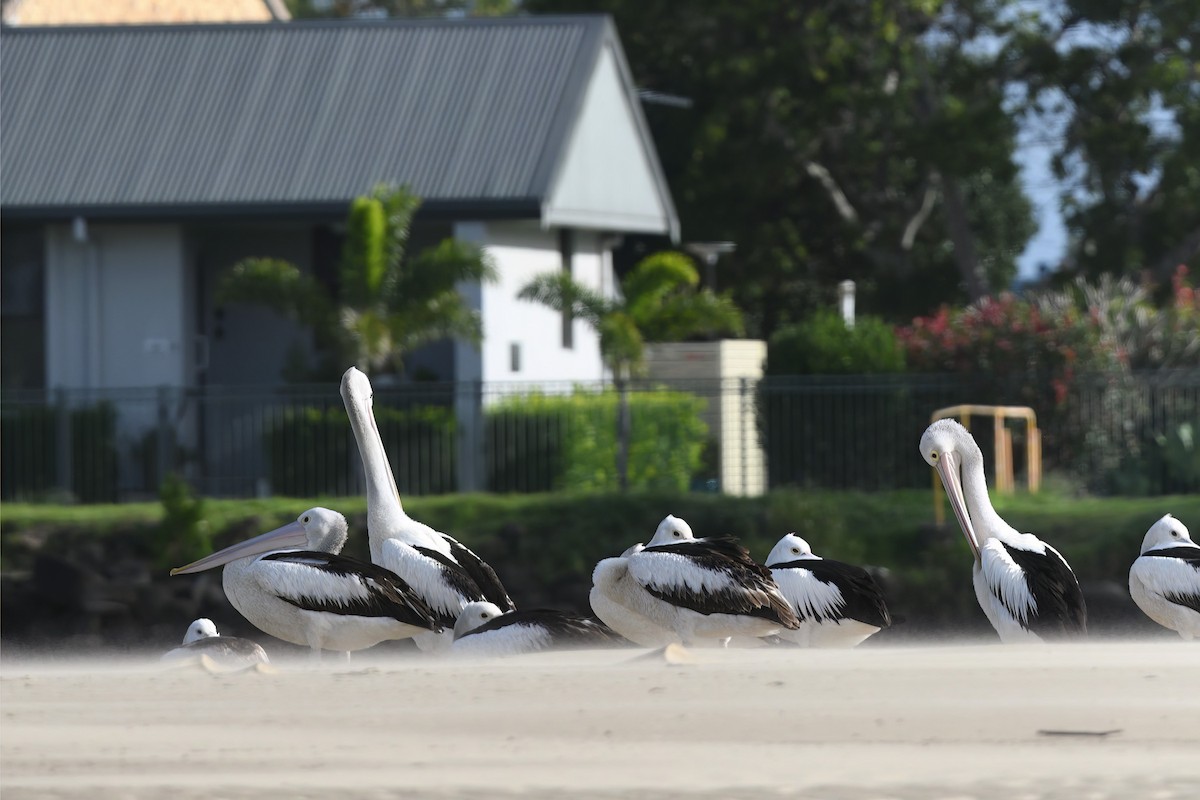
(313, 596)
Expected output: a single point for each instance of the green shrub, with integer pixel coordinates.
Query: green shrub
(823, 345)
(539, 442)
(311, 451)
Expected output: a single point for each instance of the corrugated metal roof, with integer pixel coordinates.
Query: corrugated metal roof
(470, 113)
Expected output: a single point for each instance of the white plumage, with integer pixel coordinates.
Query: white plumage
(1024, 586)
(439, 568)
(316, 597)
(680, 589)
(838, 605)
(228, 652)
(484, 630)
(1164, 580)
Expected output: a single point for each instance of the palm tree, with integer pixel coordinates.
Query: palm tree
(660, 303)
(386, 305)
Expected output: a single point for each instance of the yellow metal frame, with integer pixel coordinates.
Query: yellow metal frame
(1005, 483)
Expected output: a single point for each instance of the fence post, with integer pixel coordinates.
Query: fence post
(468, 411)
(62, 419)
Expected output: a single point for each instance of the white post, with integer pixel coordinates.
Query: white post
(846, 300)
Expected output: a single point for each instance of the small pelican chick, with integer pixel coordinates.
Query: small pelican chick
(227, 651)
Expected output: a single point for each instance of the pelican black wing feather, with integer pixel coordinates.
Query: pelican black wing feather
(751, 591)
(861, 593)
(387, 595)
(1061, 612)
(1188, 555)
(481, 572)
(455, 575)
(566, 630)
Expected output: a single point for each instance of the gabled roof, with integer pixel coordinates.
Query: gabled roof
(475, 115)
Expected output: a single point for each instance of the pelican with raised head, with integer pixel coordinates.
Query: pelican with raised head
(1024, 586)
(838, 604)
(445, 573)
(1164, 580)
(292, 584)
(680, 589)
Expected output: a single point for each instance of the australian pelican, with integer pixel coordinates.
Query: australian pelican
(484, 630)
(445, 573)
(1024, 585)
(314, 596)
(1164, 580)
(227, 651)
(680, 589)
(838, 604)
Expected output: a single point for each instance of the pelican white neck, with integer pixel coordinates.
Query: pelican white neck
(383, 497)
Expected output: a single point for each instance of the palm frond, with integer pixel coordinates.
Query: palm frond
(364, 265)
(656, 277)
(560, 292)
(279, 286)
(440, 269)
(685, 316)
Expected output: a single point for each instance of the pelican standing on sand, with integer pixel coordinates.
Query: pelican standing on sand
(484, 630)
(227, 651)
(1024, 585)
(682, 589)
(445, 573)
(314, 596)
(838, 604)
(1164, 580)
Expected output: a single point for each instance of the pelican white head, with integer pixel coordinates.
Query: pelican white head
(202, 628)
(946, 445)
(671, 530)
(1167, 532)
(315, 529)
(473, 615)
(790, 548)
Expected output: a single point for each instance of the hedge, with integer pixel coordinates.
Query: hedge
(539, 442)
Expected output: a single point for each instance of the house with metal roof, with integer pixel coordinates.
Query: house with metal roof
(140, 162)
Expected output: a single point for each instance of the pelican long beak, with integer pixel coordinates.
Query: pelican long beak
(949, 470)
(288, 537)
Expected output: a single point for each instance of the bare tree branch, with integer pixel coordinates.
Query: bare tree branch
(838, 197)
(914, 224)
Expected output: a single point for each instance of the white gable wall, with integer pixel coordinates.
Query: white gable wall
(521, 251)
(607, 178)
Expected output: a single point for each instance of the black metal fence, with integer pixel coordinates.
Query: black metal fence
(1113, 434)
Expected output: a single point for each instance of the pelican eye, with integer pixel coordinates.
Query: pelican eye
(1175, 534)
(795, 549)
(933, 455)
(484, 616)
(305, 518)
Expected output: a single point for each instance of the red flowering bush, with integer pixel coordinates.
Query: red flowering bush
(1020, 351)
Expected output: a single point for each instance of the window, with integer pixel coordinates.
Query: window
(514, 357)
(566, 250)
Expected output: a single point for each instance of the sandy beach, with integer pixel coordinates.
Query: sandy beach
(1102, 720)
